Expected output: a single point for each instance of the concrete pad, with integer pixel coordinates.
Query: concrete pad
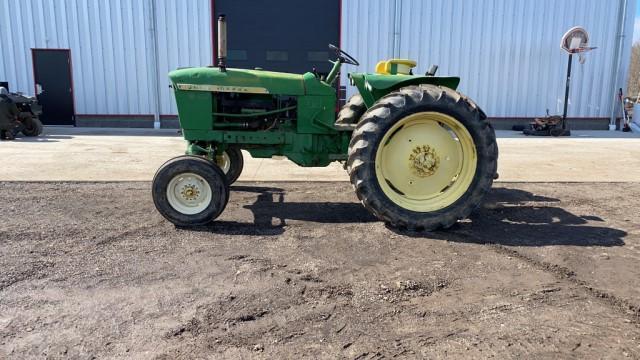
(90, 154)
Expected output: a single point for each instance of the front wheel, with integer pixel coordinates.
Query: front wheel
(422, 158)
(190, 190)
(231, 162)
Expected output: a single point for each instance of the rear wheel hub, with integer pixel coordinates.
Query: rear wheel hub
(426, 161)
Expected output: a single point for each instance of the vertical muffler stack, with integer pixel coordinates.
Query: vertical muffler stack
(222, 43)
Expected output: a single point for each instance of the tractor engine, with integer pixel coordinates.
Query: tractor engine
(260, 112)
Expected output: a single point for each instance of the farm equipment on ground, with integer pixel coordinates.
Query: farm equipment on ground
(30, 110)
(419, 155)
(550, 125)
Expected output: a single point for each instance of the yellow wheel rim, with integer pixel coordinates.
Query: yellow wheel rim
(426, 162)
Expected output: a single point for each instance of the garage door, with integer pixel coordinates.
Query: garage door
(280, 35)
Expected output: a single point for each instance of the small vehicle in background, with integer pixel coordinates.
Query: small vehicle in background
(30, 110)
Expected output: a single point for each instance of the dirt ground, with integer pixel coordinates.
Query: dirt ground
(296, 270)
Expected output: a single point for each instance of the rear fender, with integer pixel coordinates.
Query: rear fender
(374, 86)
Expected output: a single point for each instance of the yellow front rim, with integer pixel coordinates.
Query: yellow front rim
(426, 162)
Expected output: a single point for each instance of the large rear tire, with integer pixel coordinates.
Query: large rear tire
(422, 158)
(351, 113)
(190, 190)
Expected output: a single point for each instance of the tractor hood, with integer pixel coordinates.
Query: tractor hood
(374, 86)
(238, 80)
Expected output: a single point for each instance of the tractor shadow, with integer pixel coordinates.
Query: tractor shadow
(514, 217)
(510, 217)
(271, 212)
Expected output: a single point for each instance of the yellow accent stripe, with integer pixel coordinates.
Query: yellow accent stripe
(221, 88)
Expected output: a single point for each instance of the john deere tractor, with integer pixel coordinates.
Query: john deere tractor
(419, 155)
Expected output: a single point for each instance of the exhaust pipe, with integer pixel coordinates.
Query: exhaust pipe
(222, 43)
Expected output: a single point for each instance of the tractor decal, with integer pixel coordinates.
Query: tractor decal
(220, 88)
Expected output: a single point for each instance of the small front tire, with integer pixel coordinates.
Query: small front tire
(231, 162)
(190, 190)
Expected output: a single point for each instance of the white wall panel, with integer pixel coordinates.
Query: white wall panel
(107, 39)
(110, 43)
(506, 51)
(184, 40)
(367, 32)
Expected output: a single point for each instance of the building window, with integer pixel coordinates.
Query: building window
(277, 56)
(317, 56)
(240, 55)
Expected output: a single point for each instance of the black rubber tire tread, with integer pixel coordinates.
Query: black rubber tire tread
(351, 113)
(32, 127)
(556, 132)
(382, 116)
(237, 164)
(201, 166)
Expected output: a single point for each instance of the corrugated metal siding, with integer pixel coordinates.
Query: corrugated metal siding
(184, 39)
(107, 40)
(110, 43)
(367, 33)
(506, 52)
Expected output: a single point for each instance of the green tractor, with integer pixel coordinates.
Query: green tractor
(419, 155)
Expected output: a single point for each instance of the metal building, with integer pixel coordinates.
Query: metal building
(506, 51)
(108, 59)
(119, 53)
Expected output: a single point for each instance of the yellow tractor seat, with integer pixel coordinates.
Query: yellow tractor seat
(395, 67)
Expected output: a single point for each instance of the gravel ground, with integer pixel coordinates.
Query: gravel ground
(296, 270)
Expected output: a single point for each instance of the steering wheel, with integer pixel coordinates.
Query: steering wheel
(343, 56)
